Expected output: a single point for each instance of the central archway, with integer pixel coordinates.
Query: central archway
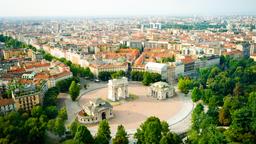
(103, 115)
(118, 88)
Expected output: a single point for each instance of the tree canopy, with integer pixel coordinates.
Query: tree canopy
(228, 91)
(155, 131)
(74, 90)
(121, 136)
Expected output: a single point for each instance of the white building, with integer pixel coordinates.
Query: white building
(118, 88)
(95, 111)
(155, 25)
(179, 69)
(29, 76)
(161, 90)
(162, 69)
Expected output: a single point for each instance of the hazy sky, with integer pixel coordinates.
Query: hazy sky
(125, 7)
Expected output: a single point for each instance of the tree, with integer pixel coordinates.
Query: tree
(184, 85)
(101, 139)
(167, 59)
(121, 136)
(224, 117)
(59, 126)
(73, 128)
(199, 109)
(238, 90)
(155, 131)
(83, 135)
(69, 141)
(104, 75)
(196, 94)
(137, 75)
(63, 113)
(4, 141)
(164, 140)
(172, 138)
(37, 111)
(64, 85)
(149, 131)
(165, 127)
(51, 111)
(51, 125)
(103, 134)
(118, 74)
(212, 135)
(155, 77)
(48, 56)
(35, 130)
(74, 90)
(146, 79)
(50, 97)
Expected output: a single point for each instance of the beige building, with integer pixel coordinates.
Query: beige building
(95, 111)
(29, 96)
(161, 90)
(96, 69)
(17, 53)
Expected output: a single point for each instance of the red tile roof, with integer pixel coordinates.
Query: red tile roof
(4, 102)
(187, 60)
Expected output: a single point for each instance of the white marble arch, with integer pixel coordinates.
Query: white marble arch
(118, 88)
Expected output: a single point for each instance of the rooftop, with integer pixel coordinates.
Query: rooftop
(4, 102)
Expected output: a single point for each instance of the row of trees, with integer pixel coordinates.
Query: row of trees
(105, 75)
(146, 77)
(167, 59)
(151, 131)
(64, 85)
(30, 127)
(80, 134)
(57, 125)
(229, 93)
(13, 43)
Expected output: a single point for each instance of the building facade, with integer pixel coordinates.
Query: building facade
(159, 68)
(7, 105)
(95, 111)
(29, 96)
(118, 88)
(161, 90)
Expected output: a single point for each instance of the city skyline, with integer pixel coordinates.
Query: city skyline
(127, 8)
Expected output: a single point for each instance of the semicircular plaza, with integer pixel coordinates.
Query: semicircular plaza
(132, 113)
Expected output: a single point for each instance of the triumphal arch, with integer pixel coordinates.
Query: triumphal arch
(118, 88)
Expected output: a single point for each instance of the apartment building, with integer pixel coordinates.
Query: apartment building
(7, 105)
(29, 96)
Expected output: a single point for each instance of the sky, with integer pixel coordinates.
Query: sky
(126, 7)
